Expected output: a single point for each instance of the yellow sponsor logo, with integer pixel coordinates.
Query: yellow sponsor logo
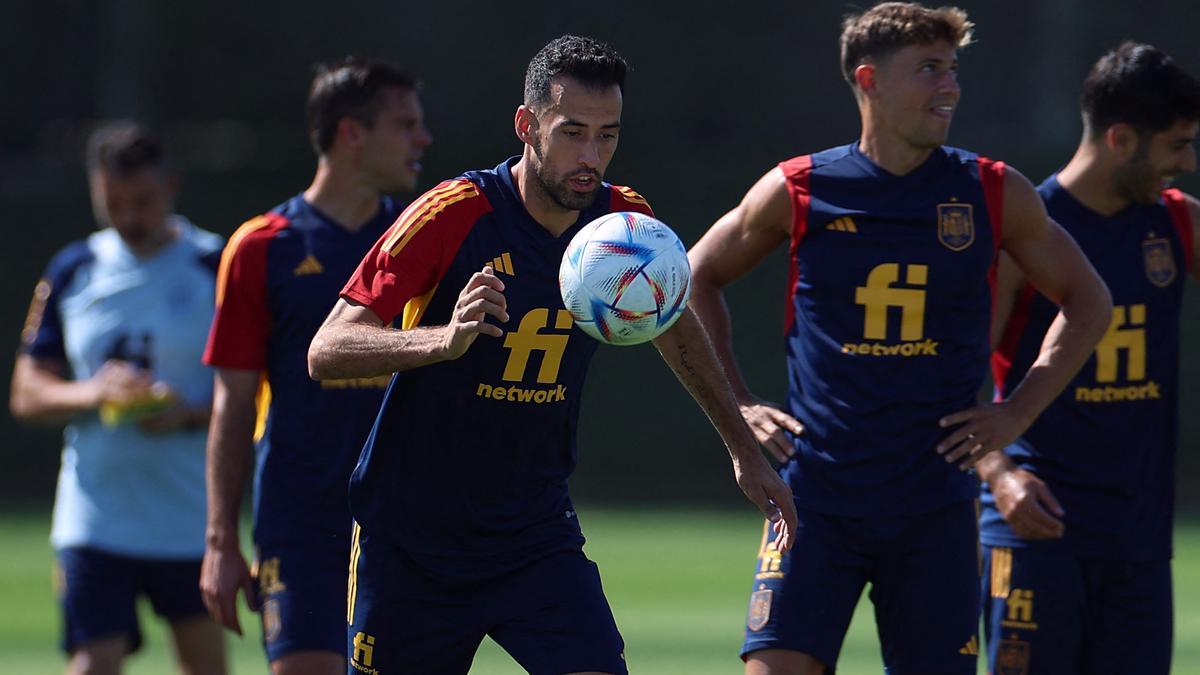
(522, 344)
(364, 653)
(1110, 394)
(1126, 337)
(522, 394)
(879, 297)
(1019, 610)
(925, 347)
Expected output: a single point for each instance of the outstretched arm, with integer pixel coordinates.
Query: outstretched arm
(354, 342)
(1049, 258)
(733, 246)
(686, 349)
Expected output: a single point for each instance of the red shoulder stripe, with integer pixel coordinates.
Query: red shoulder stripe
(1006, 351)
(991, 175)
(242, 322)
(425, 209)
(627, 199)
(1177, 208)
(796, 172)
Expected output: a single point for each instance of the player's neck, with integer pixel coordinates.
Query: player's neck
(1087, 178)
(342, 196)
(544, 210)
(891, 154)
(161, 238)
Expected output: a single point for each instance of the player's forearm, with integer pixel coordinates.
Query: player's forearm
(708, 302)
(228, 462)
(1069, 342)
(687, 350)
(40, 396)
(344, 350)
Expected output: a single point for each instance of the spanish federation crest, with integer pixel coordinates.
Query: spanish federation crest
(956, 225)
(1012, 657)
(760, 609)
(1160, 264)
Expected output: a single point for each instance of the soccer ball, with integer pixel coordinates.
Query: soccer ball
(625, 278)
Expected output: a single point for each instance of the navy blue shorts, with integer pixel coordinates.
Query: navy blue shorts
(551, 616)
(1054, 612)
(924, 576)
(98, 594)
(303, 595)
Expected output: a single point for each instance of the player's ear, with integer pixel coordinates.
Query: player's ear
(864, 77)
(1122, 140)
(525, 124)
(349, 131)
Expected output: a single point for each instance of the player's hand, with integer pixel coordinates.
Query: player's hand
(120, 383)
(179, 415)
(222, 573)
(766, 490)
(483, 296)
(1027, 504)
(771, 427)
(985, 428)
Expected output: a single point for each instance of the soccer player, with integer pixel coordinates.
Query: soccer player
(1077, 515)
(279, 277)
(112, 347)
(893, 240)
(463, 522)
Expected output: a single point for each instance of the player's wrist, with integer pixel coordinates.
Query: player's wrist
(222, 539)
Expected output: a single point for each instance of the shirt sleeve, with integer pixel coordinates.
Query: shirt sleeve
(242, 321)
(410, 258)
(42, 335)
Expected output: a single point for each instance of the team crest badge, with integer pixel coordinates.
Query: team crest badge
(1012, 657)
(956, 225)
(1160, 264)
(760, 609)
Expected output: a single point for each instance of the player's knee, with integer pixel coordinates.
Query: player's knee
(782, 662)
(309, 663)
(101, 657)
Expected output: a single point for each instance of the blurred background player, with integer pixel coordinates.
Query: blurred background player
(893, 239)
(1077, 516)
(464, 526)
(112, 347)
(278, 279)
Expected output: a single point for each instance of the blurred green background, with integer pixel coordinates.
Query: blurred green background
(719, 93)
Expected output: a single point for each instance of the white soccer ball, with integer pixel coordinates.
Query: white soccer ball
(625, 278)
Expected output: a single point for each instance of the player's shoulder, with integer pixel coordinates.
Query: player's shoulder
(257, 233)
(1171, 196)
(203, 246)
(450, 205)
(625, 198)
(69, 259)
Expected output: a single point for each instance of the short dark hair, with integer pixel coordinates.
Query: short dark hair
(592, 62)
(351, 87)
(1141, 86)
(890, 26)
(123, 149)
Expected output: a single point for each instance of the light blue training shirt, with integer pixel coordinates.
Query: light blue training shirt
(119, 489)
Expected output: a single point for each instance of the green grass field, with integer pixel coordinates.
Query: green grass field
(677, 580)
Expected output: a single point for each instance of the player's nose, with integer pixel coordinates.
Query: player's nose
(589, 155)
